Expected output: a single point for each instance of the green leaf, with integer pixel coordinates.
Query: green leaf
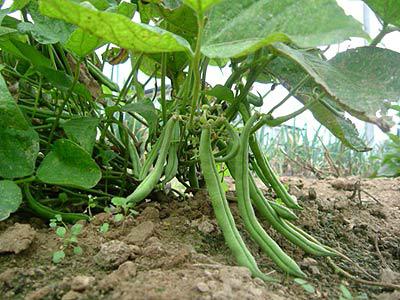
(45, 30)
(68, 164)
(201, 5)
(19, 4)
(236, 27)
(10, 198)
(290, 73)
(76, 229)
(369, 81)
(19, 143)
(387, 10)
(172, 4)
(78, 250)
(61, 231)
(362, 81)
(82, 131)
(119, 201)
(147, 110)
(221, 92)
(43, 65)
(58, 256)
(115, 28)
(305, 285)
(345, 292)
(104, 228)
(82, 43)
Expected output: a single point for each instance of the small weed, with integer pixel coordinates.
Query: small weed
(69, 237)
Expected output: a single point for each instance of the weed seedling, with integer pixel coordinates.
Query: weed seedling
(69, 237)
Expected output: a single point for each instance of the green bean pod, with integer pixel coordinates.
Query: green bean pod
(233, 148)
(151, 180)
(283, 211)
(49, 213)
(280, 190)
(101, 78)
(221, 208)
(135, 159)
(259, 173)
(266, 210)
(151, 157)
(257, 232)
(171, 169)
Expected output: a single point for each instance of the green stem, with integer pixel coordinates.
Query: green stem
(66, 98)
(195, 67)
(164, 60)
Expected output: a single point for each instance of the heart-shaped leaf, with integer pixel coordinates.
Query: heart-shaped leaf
(115, 28)
(82, 131)
(238, 27)
(388, 10)
(19, 143)
(10, 198)
(69, 164)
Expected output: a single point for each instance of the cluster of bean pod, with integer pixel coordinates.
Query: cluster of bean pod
(250, 198)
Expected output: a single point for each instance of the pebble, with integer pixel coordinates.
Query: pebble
(112, 254)
(16, 238)
(203, 287)
(80, 283)
(141, 233)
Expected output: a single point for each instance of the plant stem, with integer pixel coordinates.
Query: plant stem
(66, 98)
(164, 60)
(196, 66)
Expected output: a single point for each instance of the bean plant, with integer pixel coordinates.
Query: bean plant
(66, 128)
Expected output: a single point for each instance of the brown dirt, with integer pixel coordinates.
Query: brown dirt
(174, 250)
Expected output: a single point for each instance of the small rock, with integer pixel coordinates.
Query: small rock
(101, 218)
(112, 254)
(314, 270)
(39, 293)
(154, 248)
(312, 194)
(202, 287)
(255, 291)
(8, 276)
(390, 296)
(389, 276)
(308, 261)
(141, 233)
(295, 191)
(16, 238)
(71, 295)
(204, 225)
(379, 213)
(342, 184)
(150, 213)
(80, 283)
(125, 271)
(341, 204)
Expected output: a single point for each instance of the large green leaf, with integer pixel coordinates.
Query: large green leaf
(43, 65)
(10, 198)
(362, 80)
(82, 43)
(201, 5)
(45, 30)
(147, 110)
(290, 74)
(82, 131)
(19, 143)
(69, 164)
(237, 27)
(387, 10)
(115, 28)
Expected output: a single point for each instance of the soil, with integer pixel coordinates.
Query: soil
(174, 250)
